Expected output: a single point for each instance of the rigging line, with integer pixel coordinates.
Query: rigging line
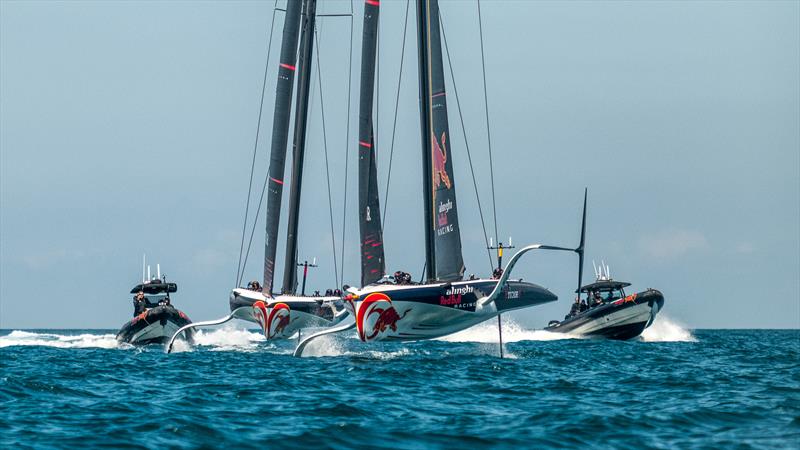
(394, 125)
(466, 143)
(239, 267)
(327, 168)
(347, 144)
(488, 128)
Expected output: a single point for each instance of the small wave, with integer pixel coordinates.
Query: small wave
(86, 340)
(665, 329)
(486, 333)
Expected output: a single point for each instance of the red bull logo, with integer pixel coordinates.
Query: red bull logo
(279, 316)
(439, 159)
(376, 316)
(260, 314)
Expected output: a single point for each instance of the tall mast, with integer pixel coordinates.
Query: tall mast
(280, 137)
(445, 261)
(300, 122)
(373, 265)
(425, 128)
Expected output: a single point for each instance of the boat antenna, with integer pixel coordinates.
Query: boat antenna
(144, 263)
(305, 265)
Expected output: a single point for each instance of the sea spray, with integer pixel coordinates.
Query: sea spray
(486, 332)
(83, 340)
(228, 338)
(665, 329)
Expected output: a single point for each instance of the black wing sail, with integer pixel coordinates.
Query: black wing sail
(280, 137)
(304, 65)
(446, 232)
(373, 265)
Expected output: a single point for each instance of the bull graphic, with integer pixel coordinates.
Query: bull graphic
(439, 159)
(279, 318)
(387, 317)
(260, 314)
(283, 322)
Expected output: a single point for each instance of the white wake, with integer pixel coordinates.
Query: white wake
(86, 340)
(665, 329)
(226, 338)
(486, 332)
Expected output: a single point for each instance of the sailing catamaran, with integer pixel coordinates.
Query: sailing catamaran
(284, 314)
(444, 303)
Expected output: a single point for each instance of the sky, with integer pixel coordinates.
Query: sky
(128, 128)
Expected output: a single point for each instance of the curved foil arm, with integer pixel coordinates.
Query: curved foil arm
(489, 299)
(240, 312)
(302, 345)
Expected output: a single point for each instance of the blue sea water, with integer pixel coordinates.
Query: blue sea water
(673, 389)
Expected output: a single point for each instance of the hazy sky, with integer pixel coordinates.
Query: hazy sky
(128, 128)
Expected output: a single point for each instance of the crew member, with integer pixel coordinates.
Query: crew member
(575, 309)
(402, 278)
(597, 299)
(497, 273)
(138, 303)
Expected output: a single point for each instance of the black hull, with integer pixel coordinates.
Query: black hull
(155, 326)
(464, 295)
(622, 319)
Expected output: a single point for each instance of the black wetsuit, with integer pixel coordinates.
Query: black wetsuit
(138, 306)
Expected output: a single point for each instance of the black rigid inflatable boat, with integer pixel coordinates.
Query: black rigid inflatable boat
(155, 320)
(609, 313)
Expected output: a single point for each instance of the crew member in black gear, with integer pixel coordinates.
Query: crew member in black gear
(138, 304)
(497, 273)
(402, 278)
(597, 299)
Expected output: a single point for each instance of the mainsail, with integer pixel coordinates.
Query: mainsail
(300, 123)
(280, 136)
(445, 260)
(372, 259)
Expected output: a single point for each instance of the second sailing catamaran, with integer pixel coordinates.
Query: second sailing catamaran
(444, 303)
(284, 314)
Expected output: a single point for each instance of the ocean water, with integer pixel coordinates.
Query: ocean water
(674, 388)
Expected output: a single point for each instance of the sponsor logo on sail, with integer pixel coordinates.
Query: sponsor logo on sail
(440, 175)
